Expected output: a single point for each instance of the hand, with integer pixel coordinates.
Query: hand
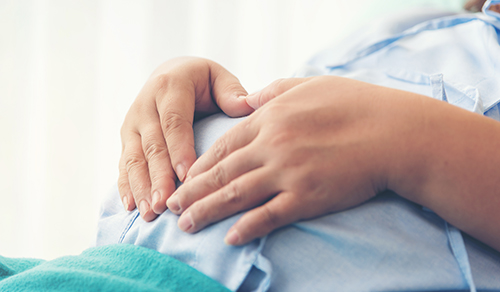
(319, 145)
(474, 5)
(157, 134)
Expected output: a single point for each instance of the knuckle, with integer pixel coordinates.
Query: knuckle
(280, 146)
(127, 131)
(138, 182)
(134, 162)
(231, 194)
(156, 178)
(153, 150)
(171, 122)
(219, 177)
(139, 192)
(270, 110)
(122, 186)
(276, 87)
(220, 149)
(199, 215)
(186, 201)
(281, 139)
(162, 81)
(269, 217)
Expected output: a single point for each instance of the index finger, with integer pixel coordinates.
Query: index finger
(201, 89)
(176, 105)
(234, 139)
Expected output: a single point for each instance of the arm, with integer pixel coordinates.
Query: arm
(462, 166)
(325, 144)
(157, 134)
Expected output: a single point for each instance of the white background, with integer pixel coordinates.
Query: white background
(69, 70)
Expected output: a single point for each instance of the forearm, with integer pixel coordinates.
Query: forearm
(458, 169)
(326, 144)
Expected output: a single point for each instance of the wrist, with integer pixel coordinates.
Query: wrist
(415, 145)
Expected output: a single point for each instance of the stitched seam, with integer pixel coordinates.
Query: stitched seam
(129, 225)
(429, 26)
(459, 251)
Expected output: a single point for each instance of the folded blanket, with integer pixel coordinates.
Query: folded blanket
(120, 267)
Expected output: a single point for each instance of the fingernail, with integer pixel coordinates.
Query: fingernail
(251, 100)
(125, 202)
(242, 96)
(185, 222)
(232, 237)
(181, 171)
(143, 208)
(173, 204)
(250, 96)
(156, 197)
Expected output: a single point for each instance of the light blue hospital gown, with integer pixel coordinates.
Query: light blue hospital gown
(386, 244)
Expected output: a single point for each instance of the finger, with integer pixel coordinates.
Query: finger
(180, 94)
(160, 171)
(278, 87)
(278, 212)
(216, 178)
(247, 191)
(124, 187)
(235, 138)
(176, 109)
(138, 175)
(228, 92)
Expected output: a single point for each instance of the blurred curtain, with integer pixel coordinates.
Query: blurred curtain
(69, 70)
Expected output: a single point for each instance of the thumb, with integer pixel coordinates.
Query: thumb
(228, 92)
(278, 87)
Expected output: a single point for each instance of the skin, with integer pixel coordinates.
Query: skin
(313, 146)
(476, 5)
(325, 144)
(157, 138)
(157, 135)
(319, 145)
(495, 8)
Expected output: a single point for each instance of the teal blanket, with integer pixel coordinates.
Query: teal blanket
(120, 267)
